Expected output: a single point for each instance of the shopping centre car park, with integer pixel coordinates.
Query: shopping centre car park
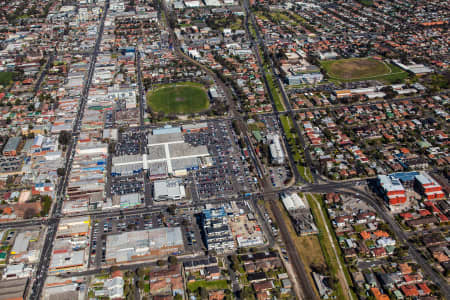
(224, 170)
(127, 185)
(230, 174)
(103, 227)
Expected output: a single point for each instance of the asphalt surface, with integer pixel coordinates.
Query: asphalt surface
(287, 105)
(286, 102)
(344, 188)
(44, 73)
(297, 176)
(141, 91)
(142, 106)
(44, 262)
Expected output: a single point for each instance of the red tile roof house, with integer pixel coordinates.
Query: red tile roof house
(424, 289)
(406, 216)
(379, 252)
(405, 269)
(166, 281)
(263, 286)
(365, 217)
(216, 295)
(263, 295)
(212, 273)
(441, 257)
(342, 220)
(409, 291)
(413, 278)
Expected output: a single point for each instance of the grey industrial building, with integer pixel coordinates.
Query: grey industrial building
(143, 244)
(169, 189)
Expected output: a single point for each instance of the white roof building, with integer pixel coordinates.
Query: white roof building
(414, 68)
(390, 184)
(16, 271)
(385, 241)
(92, 148)
(169, 189)
(192, 3)
(114, 287)
(212, 3)
(276, 150)
(292, 201)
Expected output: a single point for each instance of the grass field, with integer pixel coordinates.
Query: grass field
(5, 78)
(361, 69)
(315, 204)
(180, 98)
(310, 251)
(354, 68)
(209, 285)
(297, 152)
(275, 93)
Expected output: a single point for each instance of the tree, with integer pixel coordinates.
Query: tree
(130, 295)
(114, 269)
(46, 204)
(247, 292)
(111, 147)
(140, 272)
(203, 292)
(319, 268)
(60, 171)
(171, 209)
(29, 213)
(389, 91)
(234, 262)
(178, 297)
(160, 262)
(276, 293)
(236, 127)
(64, 137)
(141, 284)
(173, 260)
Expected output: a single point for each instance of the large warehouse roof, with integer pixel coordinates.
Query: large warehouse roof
(128, 246)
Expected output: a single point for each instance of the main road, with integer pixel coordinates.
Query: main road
(44, 72)
(44, 262)
(287, 104)
(142, 105)
(276, 113)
